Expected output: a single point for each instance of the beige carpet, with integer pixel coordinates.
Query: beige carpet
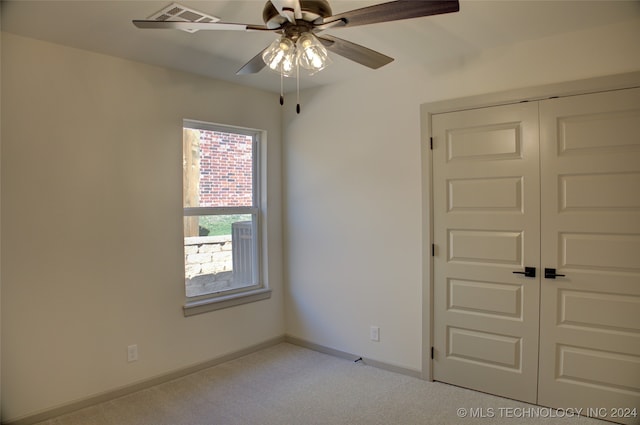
(286, 384)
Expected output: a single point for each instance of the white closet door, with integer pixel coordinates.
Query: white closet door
(486, 226)
(590, 318)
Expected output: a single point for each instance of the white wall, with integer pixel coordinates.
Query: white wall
(353, 172)
(92, 223)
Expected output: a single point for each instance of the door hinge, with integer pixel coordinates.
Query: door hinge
(431, 353)
(433, 250)
(431, 143)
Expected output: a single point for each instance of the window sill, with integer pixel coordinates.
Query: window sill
(212, 304)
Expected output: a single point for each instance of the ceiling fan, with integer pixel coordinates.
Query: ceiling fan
(298, 24)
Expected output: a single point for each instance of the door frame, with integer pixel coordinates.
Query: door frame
(427, 110)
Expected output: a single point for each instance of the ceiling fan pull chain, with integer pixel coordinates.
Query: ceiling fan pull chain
(281, 89)
(298, 88)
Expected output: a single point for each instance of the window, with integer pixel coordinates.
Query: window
(222, 216)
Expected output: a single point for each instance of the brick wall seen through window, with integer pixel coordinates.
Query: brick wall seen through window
(226, 177)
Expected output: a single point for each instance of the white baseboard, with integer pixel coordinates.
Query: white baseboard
(137, 386)
(342, 354)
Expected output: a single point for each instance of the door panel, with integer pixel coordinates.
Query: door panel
(488, 195)
(486, 226)
(589, 192)
(603, 251)
(590, 318)
(470, 246)
(497, 299)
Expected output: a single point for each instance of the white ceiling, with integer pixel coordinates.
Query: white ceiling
(105, 26)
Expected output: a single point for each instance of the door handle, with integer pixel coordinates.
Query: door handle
(551, 273)
(528, 272)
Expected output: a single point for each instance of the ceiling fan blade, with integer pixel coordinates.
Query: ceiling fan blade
(355, 52)
(394, 11)
(290, 9)
(254, 66)
(184, 25)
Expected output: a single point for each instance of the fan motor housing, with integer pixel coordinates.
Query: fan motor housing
(311, 10)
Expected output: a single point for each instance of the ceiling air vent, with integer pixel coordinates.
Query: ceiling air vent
(178, 12)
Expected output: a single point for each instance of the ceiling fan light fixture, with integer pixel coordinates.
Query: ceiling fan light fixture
(280, 56)
(311, 54)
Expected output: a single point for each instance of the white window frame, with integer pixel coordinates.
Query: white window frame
(260, 289)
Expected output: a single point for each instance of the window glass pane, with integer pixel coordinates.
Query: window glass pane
(221, 256)
(217, 169)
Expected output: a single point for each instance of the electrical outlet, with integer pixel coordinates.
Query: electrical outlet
(374, 333)
(132, 353)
